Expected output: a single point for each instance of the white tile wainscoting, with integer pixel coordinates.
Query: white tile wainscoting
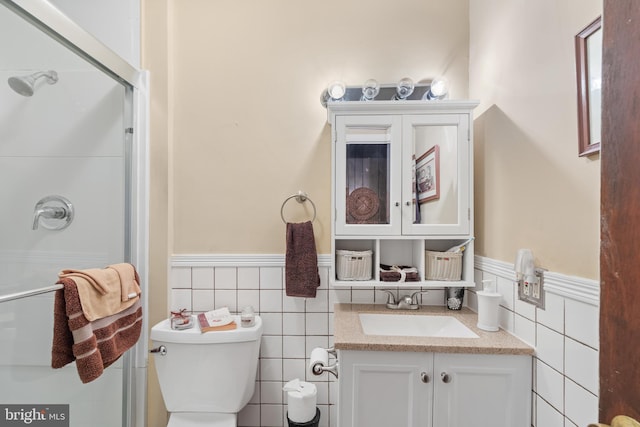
(565, 335)
(565, 375)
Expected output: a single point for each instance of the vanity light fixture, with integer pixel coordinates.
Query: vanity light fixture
(334, 92)
(404, 88)
(439, 89)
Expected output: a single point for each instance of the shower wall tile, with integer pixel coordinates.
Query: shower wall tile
(91, 97)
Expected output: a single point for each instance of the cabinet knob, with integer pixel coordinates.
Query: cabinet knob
(408, 203)
(424, 377)
(397, 204)
(446, 378)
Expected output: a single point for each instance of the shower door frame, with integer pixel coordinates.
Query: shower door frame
(54, 23)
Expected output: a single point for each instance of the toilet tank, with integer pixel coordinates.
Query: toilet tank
(207, 372)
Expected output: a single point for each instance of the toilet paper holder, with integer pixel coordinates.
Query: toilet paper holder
(318, 366)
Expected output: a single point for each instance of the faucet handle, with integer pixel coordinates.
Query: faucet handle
(414, 296)
(391, 299)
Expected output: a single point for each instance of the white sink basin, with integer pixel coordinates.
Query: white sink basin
(414, 326)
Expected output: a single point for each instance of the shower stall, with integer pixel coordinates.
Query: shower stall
(73, 190)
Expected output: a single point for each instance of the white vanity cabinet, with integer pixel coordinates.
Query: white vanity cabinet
(411, 389)
(402, 184)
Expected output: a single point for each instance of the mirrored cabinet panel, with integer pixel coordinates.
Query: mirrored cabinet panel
(437, 148)
(401, 193)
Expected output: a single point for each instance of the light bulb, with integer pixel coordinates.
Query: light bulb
(404, 88)
(336, 90)
(438, 89)
(370, 90)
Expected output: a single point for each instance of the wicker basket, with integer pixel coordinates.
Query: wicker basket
(353, 265)
(443, 265)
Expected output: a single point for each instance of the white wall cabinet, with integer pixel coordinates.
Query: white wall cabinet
(408, 389)
(402, 184)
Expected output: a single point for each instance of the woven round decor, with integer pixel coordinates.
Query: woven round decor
(363, 203)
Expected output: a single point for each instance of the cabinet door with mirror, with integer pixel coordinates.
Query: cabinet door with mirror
(435, 174)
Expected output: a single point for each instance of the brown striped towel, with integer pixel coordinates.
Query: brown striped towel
(94, 345)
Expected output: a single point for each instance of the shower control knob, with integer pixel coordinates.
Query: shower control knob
(446, 378)
(424, 377)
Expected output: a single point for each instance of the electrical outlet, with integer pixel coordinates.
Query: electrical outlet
(533, 292)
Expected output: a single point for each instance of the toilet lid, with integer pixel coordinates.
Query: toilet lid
(162, 332)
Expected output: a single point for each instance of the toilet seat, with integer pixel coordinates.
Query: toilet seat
(202, 419)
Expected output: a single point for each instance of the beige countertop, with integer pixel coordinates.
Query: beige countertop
(348, 333)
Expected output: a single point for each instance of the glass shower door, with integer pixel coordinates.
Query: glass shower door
(67, 138)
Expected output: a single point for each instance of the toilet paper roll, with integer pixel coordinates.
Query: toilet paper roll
(319, 356)
(301, 401)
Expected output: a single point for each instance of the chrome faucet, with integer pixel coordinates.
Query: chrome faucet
(407, 302)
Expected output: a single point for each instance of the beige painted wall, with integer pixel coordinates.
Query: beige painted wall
(156, 42)
(531, 189)
(229, 141)
(249, 127)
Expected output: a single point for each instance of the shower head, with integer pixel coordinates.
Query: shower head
(25, 85)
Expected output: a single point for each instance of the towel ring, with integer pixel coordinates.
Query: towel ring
(301, 197)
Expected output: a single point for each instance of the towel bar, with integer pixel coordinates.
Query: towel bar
(301, 197)
(29, 293)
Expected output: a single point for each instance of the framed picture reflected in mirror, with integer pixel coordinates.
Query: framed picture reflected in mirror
(588, 43)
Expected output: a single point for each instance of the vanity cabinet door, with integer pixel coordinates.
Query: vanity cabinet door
(367, 170)
(482, 390)
(435, 174)
(383, 389)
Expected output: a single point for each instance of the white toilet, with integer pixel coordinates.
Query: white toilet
(206, 378)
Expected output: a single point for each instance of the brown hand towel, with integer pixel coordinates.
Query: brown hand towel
(94, 345)
(301, 261)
